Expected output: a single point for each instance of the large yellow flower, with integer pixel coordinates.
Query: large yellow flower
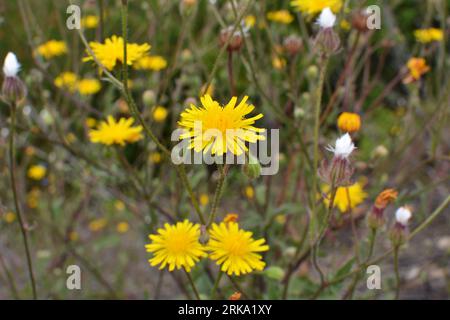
(111, 52)
(313, 7)
(112, 132)
(220, 129)
(235, 249)
(176, 246)
(429, 35)
(346, 197)
(52, 48)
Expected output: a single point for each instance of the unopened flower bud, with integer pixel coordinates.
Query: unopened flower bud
(13, 90)
(380, 152)
(399, 231)
(312, 73)
(293, 44)
(204, 235)
(327, 41)
(234, 39)
(149, 98)
(252, 168)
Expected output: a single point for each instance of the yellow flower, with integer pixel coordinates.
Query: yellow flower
(176, 246)
(346, 197)
(249, 192)
(349, 122)
(417, 67)
(111, 132)
(89, 86)
(220, 129)
(33, 198)
(52, 48)
(97, 224)
(235, 249)
(313, 7)
(231, 217)
(278, 63)
(111, 52)
(91, 122)
(204, 199)
(345, 25)
(10, 217)
(123, 227)
(67, 81)
(90, 22)
(155, 157)
(74, 236)
(160, 114)
(250, 21)
(155, 63)
(37, 172)
(429, 35)
(119, 205)
(280, 16)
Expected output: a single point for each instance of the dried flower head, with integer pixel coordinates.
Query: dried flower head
(343, 147)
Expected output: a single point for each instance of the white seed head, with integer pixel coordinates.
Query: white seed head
(326, 19)
(344, 146)
(11, 66)
(402, 215)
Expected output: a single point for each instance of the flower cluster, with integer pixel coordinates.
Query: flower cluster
(179, 246)
(69, 81)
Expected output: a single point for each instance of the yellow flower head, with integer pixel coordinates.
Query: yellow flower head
(250, 21)
(9, 217)
(346, 197)
(176, 246)
(52, 48)
(111, 52)
(155, 157)
(91, 122)
(88, 87)
(280, 16)
(67, 81)
(90, 22)
(235, 249)
(220, 129)
(97, 224)
(160, 114)
(231, 217)
(429, 35)
(33, 198)
(249, 192)
(417, 67)
(349, 122)
(155, 63)
(123, 227)
(204, 199)
(37, 172)
(313, 7)
(111, 132)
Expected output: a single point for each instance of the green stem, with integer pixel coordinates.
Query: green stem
(397, 273)
(216, 285)
(218, 194)
(197, 295)
(12, 159)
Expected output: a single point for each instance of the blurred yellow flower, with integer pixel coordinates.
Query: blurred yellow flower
(417, 67)
(119, 205)
(33, 198)
(345, 25)
(346, 197)
(278, 63)
(220, 129)
(160, 114)
(280, 16)
(111, 52)
(52, 48)
(89, 86)
(231, 217)
(74, 236)
(67, 81)
(90, 22)
(155, 157)
(429, 35)
(97, 224)
(70, 138)
(349, 122)
(123, 227)
(9, 217)
(234, 249)
(111, 132)
(37, 172)
(91, 122)
(176, 246)
(250, 21)
(249, 192)
(155, 63)
(204, 199)
(313, 7)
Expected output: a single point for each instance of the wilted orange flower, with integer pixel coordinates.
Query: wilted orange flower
(417, 67)
(231, 217)
(235, 296)
(385, 197)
